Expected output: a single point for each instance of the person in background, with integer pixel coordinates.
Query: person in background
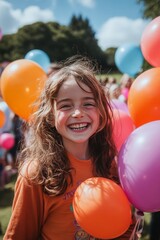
(70, 140)
(125, 83)
(17, 131)
(3, 173)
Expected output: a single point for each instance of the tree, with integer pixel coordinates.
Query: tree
(58, 41)
(84, 40)
(151, 9)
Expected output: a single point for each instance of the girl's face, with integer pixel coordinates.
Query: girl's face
(76, 113)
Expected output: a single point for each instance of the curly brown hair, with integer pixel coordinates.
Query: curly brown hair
(44, 148)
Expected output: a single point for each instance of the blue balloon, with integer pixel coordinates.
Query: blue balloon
(129, 59)
(39, 57)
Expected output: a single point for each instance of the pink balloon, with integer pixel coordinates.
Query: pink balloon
(122, 127)
(139, 167)
(7, 140)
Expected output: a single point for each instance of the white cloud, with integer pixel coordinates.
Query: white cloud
(120, 30)
(11, 19)
(85, 3)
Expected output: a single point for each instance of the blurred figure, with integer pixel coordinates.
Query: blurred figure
(114, 91)
(2, 169)
(125, 82)
(17, 131)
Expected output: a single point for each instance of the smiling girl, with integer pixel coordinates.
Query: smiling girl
(70, 140)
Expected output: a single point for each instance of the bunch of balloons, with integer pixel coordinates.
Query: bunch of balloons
(138, 160)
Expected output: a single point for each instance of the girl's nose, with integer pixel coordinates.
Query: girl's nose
(77, 113)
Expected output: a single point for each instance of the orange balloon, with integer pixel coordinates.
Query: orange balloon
(2, 118)
(150, 42)
(122, 127)
(144, 97)
(21, 83)
(101, 208)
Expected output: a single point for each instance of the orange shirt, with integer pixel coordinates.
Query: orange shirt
(36, 215)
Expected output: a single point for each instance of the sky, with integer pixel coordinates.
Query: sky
(115, 22)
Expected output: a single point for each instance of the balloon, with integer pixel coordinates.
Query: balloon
(8, 121)
(150, 42)
(7, 140)
(2, 118)
(129, 59)
(122, 127)
(21, 84)
(39, 57)
(144, 98)
(139, 167)
(117, 104)
(101, 208)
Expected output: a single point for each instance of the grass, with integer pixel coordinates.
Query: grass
(6, 198)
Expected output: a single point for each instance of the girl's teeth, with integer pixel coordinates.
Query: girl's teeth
(78, 126)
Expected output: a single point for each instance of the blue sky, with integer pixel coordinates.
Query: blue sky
(115, 22)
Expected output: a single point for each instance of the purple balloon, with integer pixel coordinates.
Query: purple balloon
(139, 167)
(117, 104)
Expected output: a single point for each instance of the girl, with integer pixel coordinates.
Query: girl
(70, 140)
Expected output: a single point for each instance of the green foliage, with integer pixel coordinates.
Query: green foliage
(151, 9)
(58, 41)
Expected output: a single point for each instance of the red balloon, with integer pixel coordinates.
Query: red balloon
(122, 127)
(150, 42)
(144, 97)
(101, 208)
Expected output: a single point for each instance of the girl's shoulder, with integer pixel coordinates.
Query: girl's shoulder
(29, 169)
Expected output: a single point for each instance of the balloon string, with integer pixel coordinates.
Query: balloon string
(137, 231)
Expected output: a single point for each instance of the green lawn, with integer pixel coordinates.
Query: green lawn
(6, 197)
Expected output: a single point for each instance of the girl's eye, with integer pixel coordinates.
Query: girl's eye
(90, 104)
(65, 107)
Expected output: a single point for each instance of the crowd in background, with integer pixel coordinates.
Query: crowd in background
(8, 155)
